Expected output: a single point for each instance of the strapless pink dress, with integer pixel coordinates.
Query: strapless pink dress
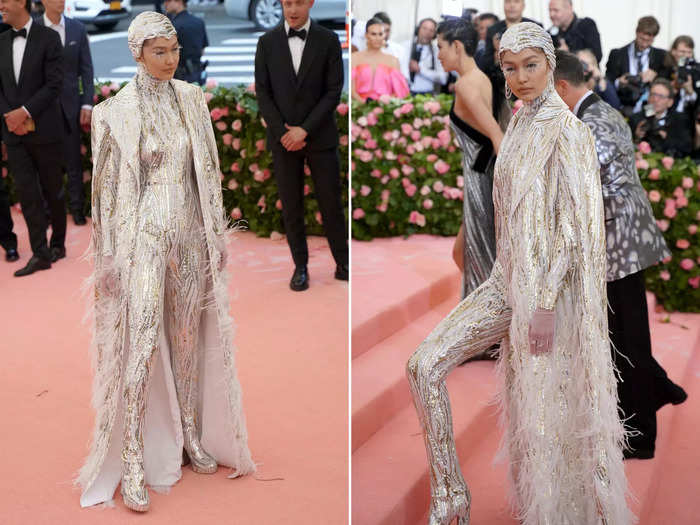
(387, 81)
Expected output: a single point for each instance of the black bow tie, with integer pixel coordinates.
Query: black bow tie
(22, 32)
(293, 32)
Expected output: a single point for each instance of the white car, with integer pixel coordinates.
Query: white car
(105, 14)
(266, 14)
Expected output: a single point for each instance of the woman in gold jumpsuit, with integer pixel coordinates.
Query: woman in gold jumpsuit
(165, 373)
(545, 303)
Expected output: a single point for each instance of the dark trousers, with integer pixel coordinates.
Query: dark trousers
(642, 377)
(325, 172)
(38, 173)
(74, 169)
(8, 239)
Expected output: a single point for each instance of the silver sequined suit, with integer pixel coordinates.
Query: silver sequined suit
(562, 430)
(163, 341)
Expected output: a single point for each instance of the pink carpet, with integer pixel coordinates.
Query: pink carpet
(401, 289)
(292, 360)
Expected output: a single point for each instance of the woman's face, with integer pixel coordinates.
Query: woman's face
(375, 36)
(526, 72)
(448, 54)
(161, 56)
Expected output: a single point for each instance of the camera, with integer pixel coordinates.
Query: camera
(688, 67)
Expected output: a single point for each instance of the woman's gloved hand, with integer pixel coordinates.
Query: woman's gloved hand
(541, 333)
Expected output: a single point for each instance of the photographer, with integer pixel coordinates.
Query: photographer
(686, 75)
(419, 62)
(571, 33)
(634, 67)
(665, 130)
(595, 81)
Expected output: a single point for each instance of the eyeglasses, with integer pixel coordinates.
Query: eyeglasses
(658, 95)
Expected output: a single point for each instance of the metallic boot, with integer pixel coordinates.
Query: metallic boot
(444, 509)
(202, 462)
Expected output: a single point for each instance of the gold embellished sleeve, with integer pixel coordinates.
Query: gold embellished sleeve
(104, 184)
(574, 168)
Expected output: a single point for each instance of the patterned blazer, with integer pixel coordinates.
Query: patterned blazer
(633, 240)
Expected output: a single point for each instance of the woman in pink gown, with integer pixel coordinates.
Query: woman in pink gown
(374, 72)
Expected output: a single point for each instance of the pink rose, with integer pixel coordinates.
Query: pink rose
(358, 213)
(427, 204)
(261, 202)
(384, 99)
(415, 135)
(307, 189)
(670, 212)
(644, 147)
(253, 168)
(667, 260)
(665, 276)
(397, 113)
(654, 174)
(406, 108)
(211, 83)
(441, 167)
(678, 192)
(246, 189)
(681, 202)
(682, 244)
(235, 167)
(365, 190)
(221, 125)
(438, 186)
(372, 119)
(642, 164)
(378, 111)
(460, 181)
(342, 109)
(385, 179)
(431, 158)
(687, 264)
(662, 224)
(318, 218)
(227, 139)
(385, 195)
(259, 176)
(417, 218)
(260, 144)
(371, 144)
(353, 193)
(208, 96)
(394, 173)
(444, 137)
(232, 184)
(237, 125)
(411, 190)
(236, 214)
(105, 90)
(411, 150)
(667, 162)
(216, 114)
(693, 229)
(381, 207)
(86, 175)
(375, 173)
(406, 128)
(687, 182)
(406, 169)
(240, 108)
(343, 140)
(694, 282)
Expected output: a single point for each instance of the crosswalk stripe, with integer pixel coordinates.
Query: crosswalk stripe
(230, 49)
(228, 58)
(219, 79)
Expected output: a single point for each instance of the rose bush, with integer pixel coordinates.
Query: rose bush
(407, 178)
(247, 182)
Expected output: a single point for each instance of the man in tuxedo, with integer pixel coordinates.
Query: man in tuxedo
(76, 103)
(633, 243)
(192, 35)
(419, 62)
(31, 77)
(298, 80)
(634, 67)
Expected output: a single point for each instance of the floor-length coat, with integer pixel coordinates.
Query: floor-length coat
(116, 189)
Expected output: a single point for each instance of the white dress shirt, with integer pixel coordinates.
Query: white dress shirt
(60, 28)
(296, 44)
(18, 45)
(425, 79)
(580, 101)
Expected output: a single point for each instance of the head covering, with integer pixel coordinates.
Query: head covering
(527, 34)
(145, 26)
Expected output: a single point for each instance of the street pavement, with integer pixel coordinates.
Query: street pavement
(231, 53)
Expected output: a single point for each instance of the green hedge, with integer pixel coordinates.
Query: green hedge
(407, 178)
(248, 186)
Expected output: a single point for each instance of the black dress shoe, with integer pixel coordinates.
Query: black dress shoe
(300, 279)
(78, 218)
(57, 253)
(341, 272)
(11, 255)
(35, 264)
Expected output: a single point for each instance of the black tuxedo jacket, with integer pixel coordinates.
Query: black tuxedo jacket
(77, 67)
(39, 86)
(619, 63)
(307, 99)
(679, 134)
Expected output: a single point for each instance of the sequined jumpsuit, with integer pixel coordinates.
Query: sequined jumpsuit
(168, 275)
(563, 433)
